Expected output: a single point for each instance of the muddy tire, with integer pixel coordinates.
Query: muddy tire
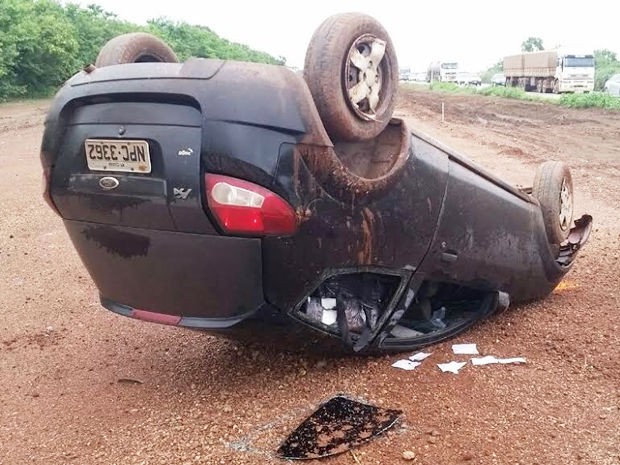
(553, 187)
(352, 72)
(135, 47)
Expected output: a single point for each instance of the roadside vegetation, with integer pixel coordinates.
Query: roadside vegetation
(591, 100)
(606, 65)
(42, 43)
(496, 91)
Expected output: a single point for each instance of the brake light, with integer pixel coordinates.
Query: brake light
(47, 195)
(242, 207)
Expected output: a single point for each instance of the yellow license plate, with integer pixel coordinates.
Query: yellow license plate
(130, 156)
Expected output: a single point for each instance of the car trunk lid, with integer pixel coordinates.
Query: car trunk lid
(154, 182)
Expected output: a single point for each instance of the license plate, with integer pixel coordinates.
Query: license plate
(130, 156)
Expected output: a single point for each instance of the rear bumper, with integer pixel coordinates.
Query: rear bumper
(199, 280)
(175, 320)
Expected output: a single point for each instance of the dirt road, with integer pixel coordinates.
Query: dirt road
(79, 385)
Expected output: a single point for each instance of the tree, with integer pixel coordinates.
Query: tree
(532, 44)
(606, 64)
(93, 28)
(496, 68)
(43, 42)
(40, 47)
(199, 41)
(604, 56)
(9, 47)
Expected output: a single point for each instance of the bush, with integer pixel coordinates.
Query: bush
(94, 27)
(199, 41)
(38, 47)
(595, 99)
(509, 92)
(604, 73)
(607, 65)
(445, 86)
(496, 91)
(42, 43)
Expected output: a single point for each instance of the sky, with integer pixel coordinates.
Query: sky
(477, 34)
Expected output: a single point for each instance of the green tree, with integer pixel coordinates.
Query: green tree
(93, 28)
(606, 64)
(10, 31)
(605, 56)
(42, 43)
(40, 47)
(200, 41)
(532, 44)
(496, 68)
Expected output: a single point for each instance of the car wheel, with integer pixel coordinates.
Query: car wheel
(352, 72)
(553, 187)
(135, 47)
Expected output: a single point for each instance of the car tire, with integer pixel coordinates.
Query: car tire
(135, 47)
(553, 187)
(355, 100)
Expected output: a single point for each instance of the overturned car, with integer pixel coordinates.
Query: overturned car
(216, 194)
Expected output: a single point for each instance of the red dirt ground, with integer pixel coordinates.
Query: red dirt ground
(205, 400)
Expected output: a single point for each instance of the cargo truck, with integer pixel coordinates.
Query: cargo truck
(550, 71)
(444, 71)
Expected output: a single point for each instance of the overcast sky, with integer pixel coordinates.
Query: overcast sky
(477, 34)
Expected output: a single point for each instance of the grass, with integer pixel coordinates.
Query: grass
(449, 87)
(592, 100)
(495, 91)
(508, 92)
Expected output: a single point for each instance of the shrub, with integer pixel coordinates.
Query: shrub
(42, 43)
(445, 86)
(594, 99)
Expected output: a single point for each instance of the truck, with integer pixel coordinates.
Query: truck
(405, 74)
(443, 71)
(550, 71)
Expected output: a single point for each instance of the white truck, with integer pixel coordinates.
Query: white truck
(404, 74)
(550, 71)
(443, 71)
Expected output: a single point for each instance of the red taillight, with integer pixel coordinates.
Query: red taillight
(47, 180)
(242, 207)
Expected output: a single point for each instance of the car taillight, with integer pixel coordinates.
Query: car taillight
(47, 195)
(242, 207)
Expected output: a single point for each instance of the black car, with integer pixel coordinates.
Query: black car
(217, 194)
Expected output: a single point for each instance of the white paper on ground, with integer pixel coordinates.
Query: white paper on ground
(452, 367)
(406, 364)
(489, 359)
(329, 317)
(328, 303)
(419, 356)
(465, 349)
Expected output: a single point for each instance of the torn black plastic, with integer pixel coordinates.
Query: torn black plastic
(434, 311)
(351, 305)
(577, 237)
(335, 427)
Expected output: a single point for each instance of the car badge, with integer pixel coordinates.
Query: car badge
(108, 183)
(181, 193)
(185, 152)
